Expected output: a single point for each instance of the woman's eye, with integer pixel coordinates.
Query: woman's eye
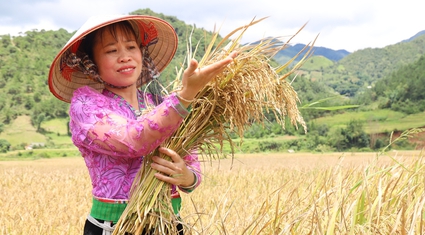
(111, 51)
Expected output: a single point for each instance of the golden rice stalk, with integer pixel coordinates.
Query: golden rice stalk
(235, 99)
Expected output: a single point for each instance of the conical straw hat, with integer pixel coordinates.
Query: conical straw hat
(161, 52)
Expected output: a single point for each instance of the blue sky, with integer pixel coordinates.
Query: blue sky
(342, 24)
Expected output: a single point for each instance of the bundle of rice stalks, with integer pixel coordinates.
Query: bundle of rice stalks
(241, 95)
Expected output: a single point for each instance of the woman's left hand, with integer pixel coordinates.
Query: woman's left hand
(174, 171)
(195, 78)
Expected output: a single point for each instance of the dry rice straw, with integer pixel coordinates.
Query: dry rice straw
(235, 99)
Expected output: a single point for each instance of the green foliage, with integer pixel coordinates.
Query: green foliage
(357, 71)
(39, 153)
(312, 91)
(24, 68)
(4, 145)
(266, 146)
(375, 121)
(403, 90)
(347, 136)
(317, 63)
(353, 136)
(40, 118)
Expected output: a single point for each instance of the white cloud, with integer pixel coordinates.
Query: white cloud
(349, 25)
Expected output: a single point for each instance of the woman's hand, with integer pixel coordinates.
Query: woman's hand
(174, 171)
(195, 78)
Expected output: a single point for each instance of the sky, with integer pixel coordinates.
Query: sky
(339, 24)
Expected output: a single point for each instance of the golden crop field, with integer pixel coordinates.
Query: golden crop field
(340, 193)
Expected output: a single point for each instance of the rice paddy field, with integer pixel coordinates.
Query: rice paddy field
(299, 193)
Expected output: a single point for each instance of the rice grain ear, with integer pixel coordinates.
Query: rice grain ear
(235, 99)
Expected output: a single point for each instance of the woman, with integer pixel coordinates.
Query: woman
(99, 72)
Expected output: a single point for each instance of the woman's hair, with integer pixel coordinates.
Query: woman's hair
(88, 42)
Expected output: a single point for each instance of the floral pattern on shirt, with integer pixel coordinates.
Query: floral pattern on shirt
(113, 141)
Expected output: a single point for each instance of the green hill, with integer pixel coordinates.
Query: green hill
(363, 68)
(403, 90)
(386, 82)
(317, 63)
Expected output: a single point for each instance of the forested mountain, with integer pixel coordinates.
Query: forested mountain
(363, 68)
(373, 64)
(25, 62)
(24, 67)
(291, 51)
(403, 90)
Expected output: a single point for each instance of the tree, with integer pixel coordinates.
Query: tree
(4, 145)
(354, 135)
(40, 118)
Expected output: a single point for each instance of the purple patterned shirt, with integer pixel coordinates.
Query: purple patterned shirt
(113, 141)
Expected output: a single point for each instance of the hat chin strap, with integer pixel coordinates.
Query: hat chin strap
(113, 86)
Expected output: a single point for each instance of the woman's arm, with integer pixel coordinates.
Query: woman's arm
(97, 124)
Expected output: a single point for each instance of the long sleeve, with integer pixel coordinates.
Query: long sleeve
(113, 141)
(108, 128)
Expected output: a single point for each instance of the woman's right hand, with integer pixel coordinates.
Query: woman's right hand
(195, 78)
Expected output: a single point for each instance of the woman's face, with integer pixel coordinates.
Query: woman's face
(118, 57)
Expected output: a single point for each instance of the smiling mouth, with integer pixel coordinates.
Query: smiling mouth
(125, 70)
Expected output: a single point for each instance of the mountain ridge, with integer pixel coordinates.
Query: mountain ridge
(331, 54)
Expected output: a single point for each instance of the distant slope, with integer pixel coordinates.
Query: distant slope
(323, 51)
(403, 89)
(375, 63)
(334, 55)
(415, 36)
(317, 63)
(363, 68)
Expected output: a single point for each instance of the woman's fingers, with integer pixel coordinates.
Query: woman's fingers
(173, 172)
(218, 66)
(165, 166)
(195, 78)
(171, 153)
(193, 65)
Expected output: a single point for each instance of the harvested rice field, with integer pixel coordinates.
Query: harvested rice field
(298, 193)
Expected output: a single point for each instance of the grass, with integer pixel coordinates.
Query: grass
(317, 63)
(35, 154)
(21, 131)
(378, 121)
(56, 126)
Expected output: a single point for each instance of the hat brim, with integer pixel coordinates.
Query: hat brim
(161, 52)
